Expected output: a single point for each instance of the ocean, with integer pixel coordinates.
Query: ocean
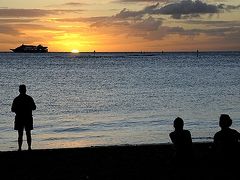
(103, 99)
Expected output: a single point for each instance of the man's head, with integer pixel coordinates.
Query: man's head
(22, 89)
(225, 121)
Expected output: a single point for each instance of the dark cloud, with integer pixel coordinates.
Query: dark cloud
(183, 9)
(188, 7)
(32, 12)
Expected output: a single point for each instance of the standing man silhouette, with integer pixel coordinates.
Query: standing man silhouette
(23, 105)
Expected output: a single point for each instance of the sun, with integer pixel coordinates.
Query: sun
(75, 51)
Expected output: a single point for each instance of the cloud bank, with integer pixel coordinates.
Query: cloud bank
(153, 23)
(176, 10)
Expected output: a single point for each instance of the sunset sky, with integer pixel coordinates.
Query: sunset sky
(121, 25)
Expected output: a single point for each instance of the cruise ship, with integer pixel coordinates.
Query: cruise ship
(30, 49)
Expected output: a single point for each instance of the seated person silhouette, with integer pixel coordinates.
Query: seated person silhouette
(181, 140)
(226, 140)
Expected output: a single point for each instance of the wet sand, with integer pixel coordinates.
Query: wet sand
(115, 162)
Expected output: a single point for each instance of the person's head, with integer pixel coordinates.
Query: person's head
(225, 121)
(22, 89)
(178, 123)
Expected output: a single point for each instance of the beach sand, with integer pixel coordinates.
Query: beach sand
(152, 161)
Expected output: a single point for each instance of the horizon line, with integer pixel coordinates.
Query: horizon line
(180, 51)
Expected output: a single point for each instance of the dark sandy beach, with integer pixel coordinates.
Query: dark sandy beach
(115, 162)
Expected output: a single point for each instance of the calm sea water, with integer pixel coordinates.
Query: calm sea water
(119, 98)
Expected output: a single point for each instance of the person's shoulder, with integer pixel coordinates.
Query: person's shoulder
(28, 96)
(234, 131)
(186, 131)
(16, 98)
(217, 134)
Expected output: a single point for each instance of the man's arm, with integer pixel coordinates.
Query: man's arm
(13, 108)
(238, 136)
(189, 137)
(33, 105)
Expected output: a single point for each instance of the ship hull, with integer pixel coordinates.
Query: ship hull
(22, 51)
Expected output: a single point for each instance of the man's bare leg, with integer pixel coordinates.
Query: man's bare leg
(20, 139)
(29, 139)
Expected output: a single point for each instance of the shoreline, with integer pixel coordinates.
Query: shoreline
(148, 161)
(101, 146)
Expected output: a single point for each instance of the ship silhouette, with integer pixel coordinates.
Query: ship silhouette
(30, 49)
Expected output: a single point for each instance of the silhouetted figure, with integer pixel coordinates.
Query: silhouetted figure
(182, 141)
(23, 105)
(226, 140)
